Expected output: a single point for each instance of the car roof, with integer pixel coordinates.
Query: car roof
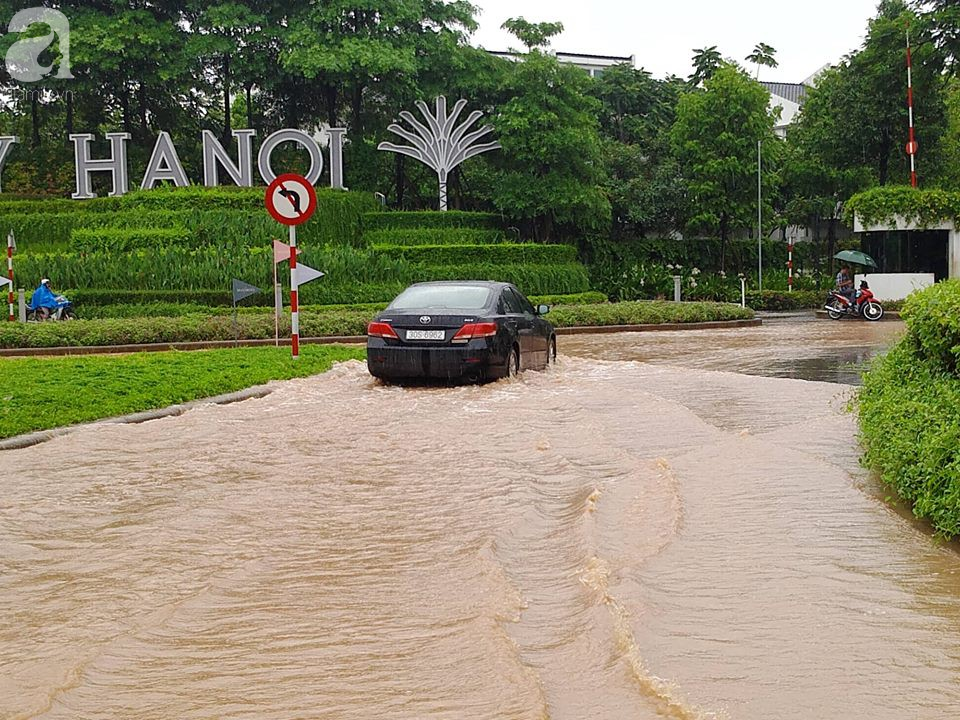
(493, 285)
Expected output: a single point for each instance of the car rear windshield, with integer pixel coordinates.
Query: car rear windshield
(461, 297)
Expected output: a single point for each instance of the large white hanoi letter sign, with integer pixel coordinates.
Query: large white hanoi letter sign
(441, 144)
(165, 165)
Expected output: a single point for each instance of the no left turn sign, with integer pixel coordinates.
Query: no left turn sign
(291, 199)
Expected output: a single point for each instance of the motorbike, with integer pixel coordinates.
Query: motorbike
(62, 311)
(863, 305)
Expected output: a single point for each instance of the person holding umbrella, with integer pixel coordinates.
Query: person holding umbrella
(845, 283)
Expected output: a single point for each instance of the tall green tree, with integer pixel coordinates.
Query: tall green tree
(551, 172)
(764, 55)
(856, 115)
(715, 139)
(706, 61)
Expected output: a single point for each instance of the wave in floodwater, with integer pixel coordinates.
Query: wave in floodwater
(604, 540)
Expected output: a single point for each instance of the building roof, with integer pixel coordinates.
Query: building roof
(575, 58)
(794, 92)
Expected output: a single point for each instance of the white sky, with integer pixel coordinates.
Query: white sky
(662, 34)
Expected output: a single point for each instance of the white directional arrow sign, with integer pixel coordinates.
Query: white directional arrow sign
(5, 281)
(305, 274)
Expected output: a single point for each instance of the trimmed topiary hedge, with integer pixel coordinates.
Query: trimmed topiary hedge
(433, 236)
(431, 219)
(213, 215)
(123, 240)
(495, 254)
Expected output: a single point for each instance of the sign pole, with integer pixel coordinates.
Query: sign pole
(790, 266)
(236, 324)
(12, 318)
(276, 307)
(294, 299)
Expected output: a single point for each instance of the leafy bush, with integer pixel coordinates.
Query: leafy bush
(909, 411)
(932, 316)
(433, 236)
(646, 312)
(123, 240)
(259, 324)
(785, 301)
(496, 254)
(431, 219)
(881, 205)
(215, 215)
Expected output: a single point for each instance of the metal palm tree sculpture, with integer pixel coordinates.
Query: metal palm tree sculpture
(441, 143)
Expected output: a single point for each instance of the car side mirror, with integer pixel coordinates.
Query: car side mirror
(543, 309)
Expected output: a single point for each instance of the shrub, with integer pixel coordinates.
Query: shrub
(433, 236)
(778, 301)
(496, 254)
(932, 316)
(123, 240)
(431, 219)
(909, 411)
(646, 312)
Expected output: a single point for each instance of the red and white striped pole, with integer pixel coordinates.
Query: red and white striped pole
(10, 273)
(912, 144)
(294, 299)
(790, 267)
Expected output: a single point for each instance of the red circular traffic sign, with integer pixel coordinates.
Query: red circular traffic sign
(912, 147)
(291, 199)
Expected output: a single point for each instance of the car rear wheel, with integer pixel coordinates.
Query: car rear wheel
(513, 363)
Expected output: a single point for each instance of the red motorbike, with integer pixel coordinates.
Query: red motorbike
(864, 304)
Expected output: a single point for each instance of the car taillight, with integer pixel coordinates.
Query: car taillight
(382, 330)
(472, 331)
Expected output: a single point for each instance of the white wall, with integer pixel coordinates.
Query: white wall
(894, 286)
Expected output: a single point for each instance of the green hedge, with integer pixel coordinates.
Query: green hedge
(135, 307)
(881, 205)
(643, 312)
(434, 236)
(909, 411)
(123, 240)
(320, 322)
(218, 215)
(909, 408)
(431, 219)
(933, 319)
(353, 275)
(777, 301)
(496, 254)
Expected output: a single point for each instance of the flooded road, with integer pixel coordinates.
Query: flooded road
(604, 540)
(794, 346)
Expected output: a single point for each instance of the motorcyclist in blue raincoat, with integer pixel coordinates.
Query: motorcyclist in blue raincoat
(44, 298)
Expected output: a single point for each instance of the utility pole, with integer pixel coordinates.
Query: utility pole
(759, 218)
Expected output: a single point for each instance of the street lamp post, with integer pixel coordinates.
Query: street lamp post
(759, 219)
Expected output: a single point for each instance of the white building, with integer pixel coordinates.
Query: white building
(594, 65)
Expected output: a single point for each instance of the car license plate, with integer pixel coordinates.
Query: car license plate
(425, 334)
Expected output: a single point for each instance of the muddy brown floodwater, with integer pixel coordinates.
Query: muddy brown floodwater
(609, 539)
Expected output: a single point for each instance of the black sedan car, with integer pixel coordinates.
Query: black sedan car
(459, 330)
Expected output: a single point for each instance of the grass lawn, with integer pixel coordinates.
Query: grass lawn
(44, 393)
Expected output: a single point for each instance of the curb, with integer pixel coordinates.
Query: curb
(345, 340)
(887, 315)
(19, 442)
(660, 327)
(164, 347)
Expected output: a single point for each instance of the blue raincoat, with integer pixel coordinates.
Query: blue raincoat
(43, 297)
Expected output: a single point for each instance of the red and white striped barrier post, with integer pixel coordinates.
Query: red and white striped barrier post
(294, 296)
(789, 267)
(10, 246)
(912, 143)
